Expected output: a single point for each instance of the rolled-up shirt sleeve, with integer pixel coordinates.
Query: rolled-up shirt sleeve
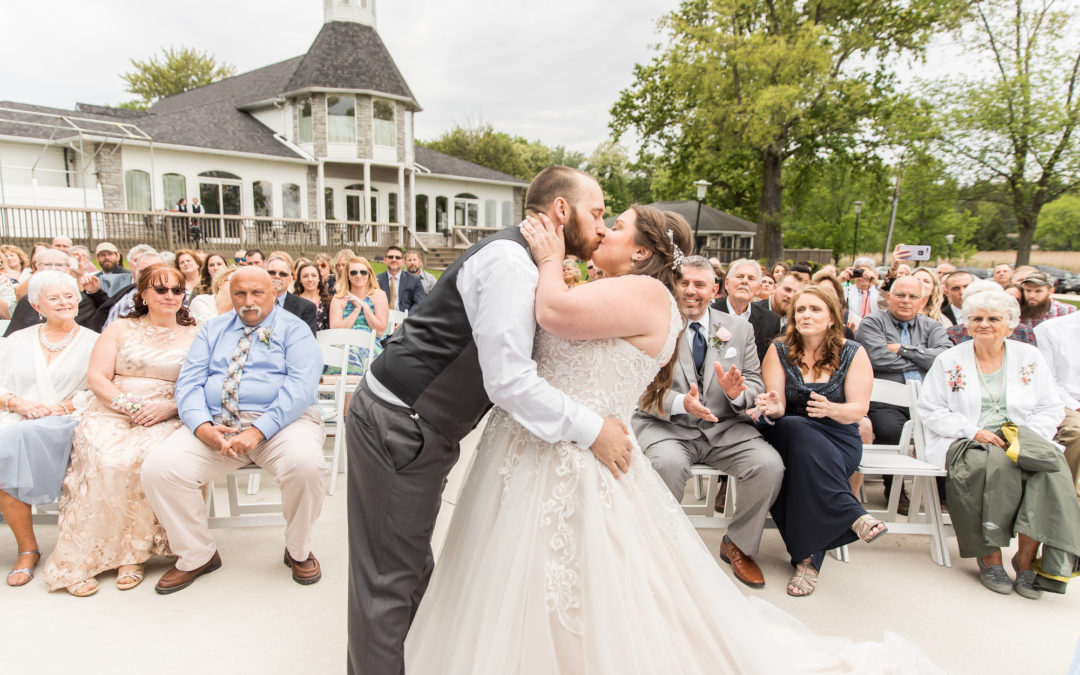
(498, 288)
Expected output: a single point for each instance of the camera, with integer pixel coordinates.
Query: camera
(857, 272)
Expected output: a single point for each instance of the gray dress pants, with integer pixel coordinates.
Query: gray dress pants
(397, 470)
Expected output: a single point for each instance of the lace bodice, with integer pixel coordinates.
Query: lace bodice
(148, 358)
(797, 391)
(607, 376)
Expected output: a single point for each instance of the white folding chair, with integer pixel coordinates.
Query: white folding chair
(3, 325)
(336, 343)
(242, 514)
(397, 317)
(924, 514)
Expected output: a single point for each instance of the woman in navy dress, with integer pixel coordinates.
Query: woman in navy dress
(817, 388)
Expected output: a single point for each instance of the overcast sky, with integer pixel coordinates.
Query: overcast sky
(547, 70)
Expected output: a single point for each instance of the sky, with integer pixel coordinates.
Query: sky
(546, 70)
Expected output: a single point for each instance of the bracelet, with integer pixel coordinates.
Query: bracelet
(126, 404)
(67, 409)
(7, 402)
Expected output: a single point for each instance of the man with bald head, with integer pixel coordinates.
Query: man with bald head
(61, 243)
(246, 395)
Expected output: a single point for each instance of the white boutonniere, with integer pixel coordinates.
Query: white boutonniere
(265, 335)
(720, 336)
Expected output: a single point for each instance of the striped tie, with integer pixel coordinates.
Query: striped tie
(230, 391)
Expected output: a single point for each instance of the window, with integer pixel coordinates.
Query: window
(219, 174)
(262, 193)
(328, 203)
(489, 213)
(440, 212)
(290, 200)
(174, 188)
(137, 190)
(466, 210)
(385, 130)
(391, 207)
(305, 122)
(341, 119)
(507, 216)
(421, 213)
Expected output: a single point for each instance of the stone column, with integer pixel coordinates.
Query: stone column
(318, 123)
(110, 176)
(399, 123)
(312, 210)
(364, 132)
(518, 212)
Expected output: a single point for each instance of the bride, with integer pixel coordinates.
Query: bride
(556, 563)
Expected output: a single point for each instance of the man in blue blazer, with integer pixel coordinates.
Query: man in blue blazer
(404, 291)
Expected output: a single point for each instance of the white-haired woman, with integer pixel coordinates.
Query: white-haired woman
(959, 332)
(207, 306)
(977, 398)
(42, 390)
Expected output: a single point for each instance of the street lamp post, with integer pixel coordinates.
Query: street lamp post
(855, 243)
(948, 246)
(702, 186)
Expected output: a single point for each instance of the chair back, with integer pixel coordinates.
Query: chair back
(903, 395)
(397, 317)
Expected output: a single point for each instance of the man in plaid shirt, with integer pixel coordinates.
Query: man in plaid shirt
(1039, 304)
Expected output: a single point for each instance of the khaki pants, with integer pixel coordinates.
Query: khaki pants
(174, 473)
(1068, 434)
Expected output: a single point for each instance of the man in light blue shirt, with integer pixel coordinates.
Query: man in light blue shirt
(272, 421)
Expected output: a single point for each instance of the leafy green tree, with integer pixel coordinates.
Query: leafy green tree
(1017, 127)
(1059, 224)
(498, 150)
(745, 85)
(988, 202)
(623, 183)
(177, 71)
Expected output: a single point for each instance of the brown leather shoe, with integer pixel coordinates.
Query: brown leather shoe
(305, 572)
(721, 494)
(177, 580)
(744, 567)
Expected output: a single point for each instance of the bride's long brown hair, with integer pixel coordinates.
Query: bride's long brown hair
(660, 232)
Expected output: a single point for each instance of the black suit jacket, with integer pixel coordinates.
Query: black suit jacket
(410, 291)
(763, 320)
(102, 313)
(946, 311)
(305, 309)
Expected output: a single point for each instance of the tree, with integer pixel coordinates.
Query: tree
(177, 71)
(482, 144)
(623, 183)
(745, 85)
(1059, 224)
(1017, 127)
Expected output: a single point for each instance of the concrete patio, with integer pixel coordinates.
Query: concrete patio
(249, 617)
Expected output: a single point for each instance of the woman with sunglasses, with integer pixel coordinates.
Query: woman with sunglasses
(361, 305)
(309, 286)
(105, 520)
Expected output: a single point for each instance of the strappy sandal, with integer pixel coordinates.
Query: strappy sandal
(804, 580)
(79, 592)
(864, 527)
(126, 581)
(28, 571)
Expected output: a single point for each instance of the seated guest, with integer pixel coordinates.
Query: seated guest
(123, 302)
(786, 288)
(360, 305)
(246, 394)
(211, 265)
(188, 264)
(322, 261)
(281, 275)
(113, 276)
(18, 264)
(712, 427)
(403, 291)
(80, 260)
(828, 282)
(954, 285)
(768, 285)
(254, 258)
(933, 296)
(803, 271)
(1058, 347)
(91, 297)
(1022, 272)
(862, 294)
(743, 282)
(1017, 292)
(42, 388)
(945, 269)
(959, 332)
(341, 264)
(206, 307)
(975, 397)
(1003, 274)
(593, 271)
(309, 286)
(105, 521)
(817, 389)
(780, 269)
(1039, 303)
(571, 273)
(414, 265)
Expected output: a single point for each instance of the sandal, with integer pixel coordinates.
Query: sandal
(28, 571)
(78, 591)
(865, 526)
(125, 581)
(803, 582)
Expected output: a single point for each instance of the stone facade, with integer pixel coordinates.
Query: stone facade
(110, 175)
(312, 192)
(519, 204)
(364, 130)
(399, 120)
(318, 123)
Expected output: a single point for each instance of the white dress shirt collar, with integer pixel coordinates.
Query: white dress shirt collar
(744, 315)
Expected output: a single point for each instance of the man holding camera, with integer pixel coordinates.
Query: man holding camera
(862, 294)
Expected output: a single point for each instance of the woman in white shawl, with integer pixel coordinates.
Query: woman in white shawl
(969, 393)
(42, 390)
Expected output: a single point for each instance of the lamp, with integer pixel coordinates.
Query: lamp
(702, 186)
(948, 249)
(855, 243)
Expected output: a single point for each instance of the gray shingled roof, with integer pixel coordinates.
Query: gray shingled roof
(23, 122)
(712, 220)
(449, 165)
(348, 55)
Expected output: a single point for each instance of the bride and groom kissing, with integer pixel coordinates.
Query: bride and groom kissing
(566, 551)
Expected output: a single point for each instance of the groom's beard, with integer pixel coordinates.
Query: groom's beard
(575, 240)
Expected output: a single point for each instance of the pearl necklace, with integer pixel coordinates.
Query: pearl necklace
(57, 346)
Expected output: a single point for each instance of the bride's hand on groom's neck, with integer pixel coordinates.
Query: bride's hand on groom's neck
(545, 239)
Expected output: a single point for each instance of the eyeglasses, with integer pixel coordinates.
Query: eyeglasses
(175, 290)
(392, 257)
(239, 260)
(279, 274)
(53, 266)
(353, 273)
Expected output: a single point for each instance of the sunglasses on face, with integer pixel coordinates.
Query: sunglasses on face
(353, 273)
(393, 257)
(240, 260)
(175, 290)
(279, 274)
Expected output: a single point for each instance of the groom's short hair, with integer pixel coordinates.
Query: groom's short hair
(552, 182)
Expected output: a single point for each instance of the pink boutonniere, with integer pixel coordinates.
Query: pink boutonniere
(1027, 372)
(720, 336)
(957, 380)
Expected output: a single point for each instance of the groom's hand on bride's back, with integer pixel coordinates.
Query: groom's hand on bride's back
(613, 446)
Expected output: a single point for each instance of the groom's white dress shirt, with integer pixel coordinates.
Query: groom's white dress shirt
(1057, 341)
(498, 288)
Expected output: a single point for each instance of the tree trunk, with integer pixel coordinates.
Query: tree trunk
(769, 243)
(1025, 227)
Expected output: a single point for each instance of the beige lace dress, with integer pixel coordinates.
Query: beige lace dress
(105, 519)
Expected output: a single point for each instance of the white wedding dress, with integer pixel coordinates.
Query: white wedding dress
(551, 565)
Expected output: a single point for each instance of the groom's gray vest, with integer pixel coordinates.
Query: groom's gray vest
(430, 361)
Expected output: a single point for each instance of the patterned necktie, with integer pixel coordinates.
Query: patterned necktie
(230, 391)
(393, 292)
(699, 347)
(905, 339)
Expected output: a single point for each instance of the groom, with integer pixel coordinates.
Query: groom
(467, 347)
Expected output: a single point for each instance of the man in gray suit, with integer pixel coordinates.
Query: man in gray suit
(717, 358)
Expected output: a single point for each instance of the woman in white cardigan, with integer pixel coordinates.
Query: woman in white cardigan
(970, 391)
(42, 390)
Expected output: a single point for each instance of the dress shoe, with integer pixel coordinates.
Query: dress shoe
(721, 494)
(305, 572)
(744, 567)
(177, 580)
